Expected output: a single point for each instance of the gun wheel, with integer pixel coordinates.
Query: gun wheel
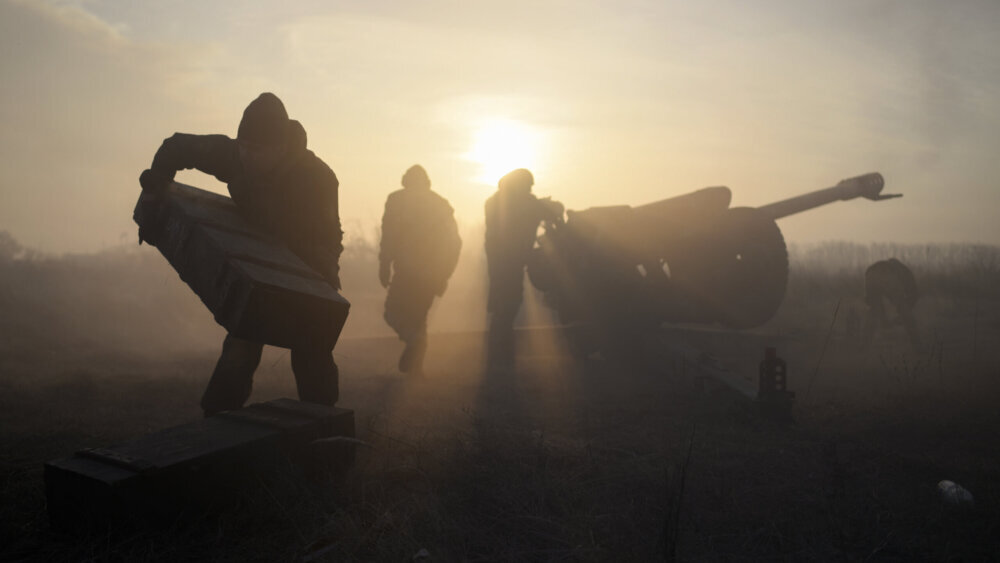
(733, 271)
(752, 274)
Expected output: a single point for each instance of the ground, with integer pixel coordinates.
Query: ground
(566, 459)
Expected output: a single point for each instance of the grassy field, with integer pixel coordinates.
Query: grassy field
(566, 460)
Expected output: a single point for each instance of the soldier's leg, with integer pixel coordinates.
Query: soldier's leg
(400, 311)
(406, 307)
(395, 301)
(412, 359)
(505, 298)
(316, 375)
(231, 382)
(500, 343)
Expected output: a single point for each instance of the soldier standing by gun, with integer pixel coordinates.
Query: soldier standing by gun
(283, 189)
(418, 253)
(513, 214)
(890, 280)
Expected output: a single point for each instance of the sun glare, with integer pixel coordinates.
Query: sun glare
(501, 145)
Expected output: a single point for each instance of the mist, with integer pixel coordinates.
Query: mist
(618, 440)
(128, 300)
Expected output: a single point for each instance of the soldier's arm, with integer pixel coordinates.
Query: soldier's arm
(212, 154)
(328, 235)
(550, 210)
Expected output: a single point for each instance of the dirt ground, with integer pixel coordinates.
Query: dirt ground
(566, 459)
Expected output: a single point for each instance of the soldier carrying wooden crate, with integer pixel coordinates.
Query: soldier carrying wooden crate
(286, 191)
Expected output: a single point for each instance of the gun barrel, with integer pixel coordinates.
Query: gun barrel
(868, 186)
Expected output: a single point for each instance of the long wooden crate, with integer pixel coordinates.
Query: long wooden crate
(194, 468)
(254, 286)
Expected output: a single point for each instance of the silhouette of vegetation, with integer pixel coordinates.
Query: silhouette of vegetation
(836, 268)
(129, 299)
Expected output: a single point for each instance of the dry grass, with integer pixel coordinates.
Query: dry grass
(565, 461)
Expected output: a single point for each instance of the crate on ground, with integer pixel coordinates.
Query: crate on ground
(195, 468)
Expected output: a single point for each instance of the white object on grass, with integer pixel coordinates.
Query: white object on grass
(954, 494)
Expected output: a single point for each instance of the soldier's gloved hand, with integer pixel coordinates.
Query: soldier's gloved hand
(153, 181)
(384, 273)
(554, 208)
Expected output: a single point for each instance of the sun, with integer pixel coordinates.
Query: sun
(502, 145)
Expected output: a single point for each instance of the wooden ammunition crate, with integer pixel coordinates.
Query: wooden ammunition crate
(254, 286)
(195, 468)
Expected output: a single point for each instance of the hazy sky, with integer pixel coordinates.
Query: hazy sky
(622, 102)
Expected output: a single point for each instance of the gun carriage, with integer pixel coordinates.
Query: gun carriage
(686, 259)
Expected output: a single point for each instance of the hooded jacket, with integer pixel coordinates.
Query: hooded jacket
(297, 201)
(419, 236)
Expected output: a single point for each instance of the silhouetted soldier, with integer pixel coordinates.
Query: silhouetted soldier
(890, 280)
(284, 189)
(417, 255)
(512, 218)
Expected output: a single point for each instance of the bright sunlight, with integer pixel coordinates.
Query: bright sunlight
(501, 145)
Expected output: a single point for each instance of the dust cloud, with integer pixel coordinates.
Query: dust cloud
(127, 299)
(99, 348)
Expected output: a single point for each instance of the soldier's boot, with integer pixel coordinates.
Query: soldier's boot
(317, 376)
(412, 358)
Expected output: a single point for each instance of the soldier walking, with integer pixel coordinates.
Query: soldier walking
(890, 280)
(284, 189)
(513, 215)
(417, 255)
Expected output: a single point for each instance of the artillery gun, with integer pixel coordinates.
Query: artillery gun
(686, 259)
